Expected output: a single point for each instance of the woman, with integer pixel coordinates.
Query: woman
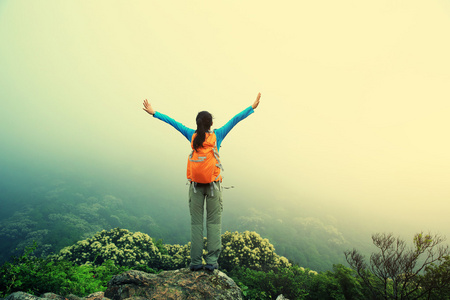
(204, 187)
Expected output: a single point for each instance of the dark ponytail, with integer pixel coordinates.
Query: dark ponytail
(204, 122)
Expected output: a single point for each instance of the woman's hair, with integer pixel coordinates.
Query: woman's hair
(204, 122)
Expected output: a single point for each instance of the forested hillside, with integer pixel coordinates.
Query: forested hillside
(59, 213)
(269, 249)
(250, 260)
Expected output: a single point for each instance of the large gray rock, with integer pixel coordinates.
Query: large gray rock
(175, 285)
(21, 296)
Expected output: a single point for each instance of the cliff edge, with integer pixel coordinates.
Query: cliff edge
(176, 285)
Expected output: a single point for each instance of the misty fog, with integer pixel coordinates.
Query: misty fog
(349, 138)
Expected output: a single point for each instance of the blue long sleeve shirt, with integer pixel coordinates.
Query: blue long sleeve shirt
(221, 133)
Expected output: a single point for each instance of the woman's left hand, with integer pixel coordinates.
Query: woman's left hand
(256, 103)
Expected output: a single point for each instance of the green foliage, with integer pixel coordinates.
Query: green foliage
(347, 279)
(316, 242)
(36, 275)
(263, 285)
(298, 283)
(338, 284)
(395, 271)
(121, 246)
(295, 282)
(178, 256)
(66, 210)
(251, 250)
(437, 279)
(124, 248)
(58, 215)
(88, 265)
(137, 249)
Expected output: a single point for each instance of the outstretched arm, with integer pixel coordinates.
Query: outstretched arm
(185, 131)
(222, 132)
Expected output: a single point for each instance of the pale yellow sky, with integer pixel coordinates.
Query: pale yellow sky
(355, 94)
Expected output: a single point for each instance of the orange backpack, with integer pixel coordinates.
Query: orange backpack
(204, 165)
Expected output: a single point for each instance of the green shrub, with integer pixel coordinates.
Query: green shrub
(40, 275)
(178, 256)
(263, 285)
(249, 249)
(88, 265)
(137, 250)
(121, 246)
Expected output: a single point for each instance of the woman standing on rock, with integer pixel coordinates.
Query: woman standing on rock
(203, 173)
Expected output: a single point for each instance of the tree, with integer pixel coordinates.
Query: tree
(394, 272)
(437, 278)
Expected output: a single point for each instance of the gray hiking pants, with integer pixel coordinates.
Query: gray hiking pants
(212, 196)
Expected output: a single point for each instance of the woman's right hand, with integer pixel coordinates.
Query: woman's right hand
(148, 107)
(256, 103)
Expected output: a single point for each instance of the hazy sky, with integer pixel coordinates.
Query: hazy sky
(354, 111)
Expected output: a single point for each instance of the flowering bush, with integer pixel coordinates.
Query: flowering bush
(121, 246)
(251, 250)
(178, 256)
(136, 249)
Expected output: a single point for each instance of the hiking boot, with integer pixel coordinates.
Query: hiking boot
(209, 267)
(196, 267)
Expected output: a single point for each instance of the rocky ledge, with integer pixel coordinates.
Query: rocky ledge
(178, 284)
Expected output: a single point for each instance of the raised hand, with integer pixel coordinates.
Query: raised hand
(256, 103)
(148, 108)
